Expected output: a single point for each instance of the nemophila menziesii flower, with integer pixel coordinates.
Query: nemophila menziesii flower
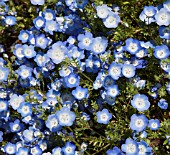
(24, 72)
(25, 109)
(132, 45)
(144, 148)
(147, 15)
(138, 122)
(141, 53)
(16, 126)
(10, 20)
(162, 17)
(65, 71)
(4, 8)
(37, 2)
(65, 116)
(28, 135)
(161, 52)
(1, 136)
(39, 22)
(49, 14)
(130, 147)
(28, 51)
(41, 41)
(69, 149)
(103, 116)
(16, 100)
(112, 20)
(154, 124)
(41, 59)
(50, 26)
(23, 36)
(115, 70)
(36, 150)
(128, 70)
(98, 45)
(164, 32)
(58, 52)
(114, 151)
(72, 80)
(140, 102)
(163, 104)
(4, 72)
(108, 81)
(3, 105)
(103, 11)
(167, 5)
(10, 148)
(57, 150)
(18, 51)
(22, 150)
(113, 91)
(80, 93)
(85, 40)
(81, 3)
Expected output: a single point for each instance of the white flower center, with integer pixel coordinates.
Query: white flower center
(139, 122)
(131, 148)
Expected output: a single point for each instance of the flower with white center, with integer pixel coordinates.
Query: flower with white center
(80, 93)
(140, 102)
(25, 71)
(103, 116)
(65, 116)
(15, 101)
(161, 52)
(128, 70)
(103, 11)
(154, 124)
(25, 109)
(69, 149)
(138, 122)
(10, 148)
(115, 70)
(130, 147)
(4, 72)
(162, 17)
(3, 105)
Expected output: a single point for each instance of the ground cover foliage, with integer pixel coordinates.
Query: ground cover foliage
(84, 77)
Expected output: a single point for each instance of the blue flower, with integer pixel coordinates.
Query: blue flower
(166, 5)
(49, 14)
(108, 81)
(65, 116)
(37, 2)
(10, 20)
(114, 151)
(10, 148)
(39, 22)
(164, 32)
(51, 26)
(162, 17)
(24, 72)
(41, 59)
(41, 41)
(16, 126)
(112, 20)
(140, 102)
(154, 124)
(132, 46)
(143, 148)
(69, 149)
(103, 11)
(163, 104)
(128, 70)
(161, 52)
(98, 45)
(57, 53)
(23, 36)
(115, 70)
(130, 147)
(28, 51)
(25, 109)
(36, 150)
(113, 91)
(22, 150)
(3, 105)
(28, 135)
(80, 93)
(4, 72)
(138, 122)
(85, 40)
(81, 3)
(72, 80)
(57, 150)
(103, 116)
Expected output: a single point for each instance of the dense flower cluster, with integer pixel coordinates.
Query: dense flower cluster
(65, 79)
